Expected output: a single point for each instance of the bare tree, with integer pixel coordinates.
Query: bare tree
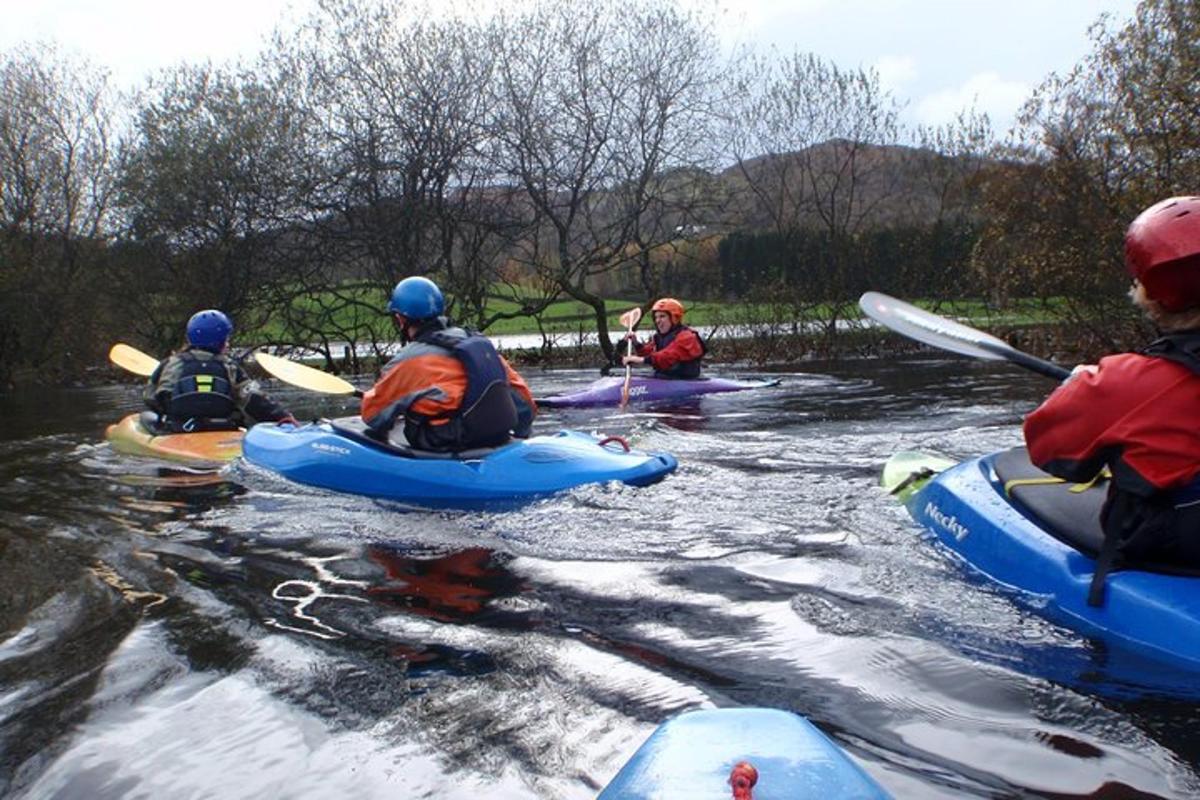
(942, 183)
(599, 111)
(809, 141)
(1094, 147)
(56, 178)
(393, 104)
(203, 194)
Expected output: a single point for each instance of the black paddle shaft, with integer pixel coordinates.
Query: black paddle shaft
(1038, 365)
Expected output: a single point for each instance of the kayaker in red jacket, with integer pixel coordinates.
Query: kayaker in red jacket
(675, 350)
(1139, 413)
(448, 386)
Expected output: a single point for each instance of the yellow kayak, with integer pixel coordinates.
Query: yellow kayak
(131, 436)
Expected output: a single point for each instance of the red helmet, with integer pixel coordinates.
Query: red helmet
(671, 306)
(1162, 250)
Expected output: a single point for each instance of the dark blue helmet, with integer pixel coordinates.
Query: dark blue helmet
(417, 298)
(209, 329)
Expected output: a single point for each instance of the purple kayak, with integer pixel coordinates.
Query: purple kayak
(607, 391)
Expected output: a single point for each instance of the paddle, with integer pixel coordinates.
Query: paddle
(304, 376)
(907, 470)
(132, 359)
(630, 320)
(949, 335)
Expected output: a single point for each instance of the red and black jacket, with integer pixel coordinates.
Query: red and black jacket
(674, 354)
(1138, 415)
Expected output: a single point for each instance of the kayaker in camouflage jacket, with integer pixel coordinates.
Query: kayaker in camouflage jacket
(1136, 413)
(202, 388)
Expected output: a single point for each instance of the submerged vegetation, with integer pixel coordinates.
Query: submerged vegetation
(551, 166)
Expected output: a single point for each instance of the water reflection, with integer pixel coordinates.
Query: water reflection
(268, 635)
(681, 415)
(456, 587)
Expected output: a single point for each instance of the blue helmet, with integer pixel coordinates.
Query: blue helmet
(417, 298)
(209, 329)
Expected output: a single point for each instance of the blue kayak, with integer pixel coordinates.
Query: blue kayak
(340, 455)
(642, 389)
(695, 755)
(1038, 537)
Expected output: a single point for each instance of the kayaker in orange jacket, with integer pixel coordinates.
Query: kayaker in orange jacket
(675, 350)
(1136, 413)
(449, 386)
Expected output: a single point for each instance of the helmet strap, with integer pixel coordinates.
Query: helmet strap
(400, 322)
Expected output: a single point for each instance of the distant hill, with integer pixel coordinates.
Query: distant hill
(861, 185)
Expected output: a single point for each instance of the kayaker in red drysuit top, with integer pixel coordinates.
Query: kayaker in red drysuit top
(448, 387)
(675, 350)
(1139, 413)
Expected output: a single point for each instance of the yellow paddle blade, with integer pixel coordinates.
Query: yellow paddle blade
(132, 359)
(303, 376)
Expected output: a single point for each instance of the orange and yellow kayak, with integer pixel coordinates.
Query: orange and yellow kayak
(132, 437)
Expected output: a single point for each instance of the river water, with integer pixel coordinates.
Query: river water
(165, 632)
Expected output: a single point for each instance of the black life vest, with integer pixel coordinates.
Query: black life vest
(487, 414)
(683, 369)
(202, 389)
(1182, 348)
(1162, 530)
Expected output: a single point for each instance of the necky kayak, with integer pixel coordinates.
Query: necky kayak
(607, 391)
(1038, 536)
(698, 754)
(134, 435)
(340, 455)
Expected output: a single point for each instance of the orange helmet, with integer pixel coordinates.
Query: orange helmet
(671, 306)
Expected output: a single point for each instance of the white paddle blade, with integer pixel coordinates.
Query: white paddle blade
(631, 318)
(930, 328)
(303, 376)
(132, 359)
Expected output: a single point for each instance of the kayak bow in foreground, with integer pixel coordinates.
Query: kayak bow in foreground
(700, 753)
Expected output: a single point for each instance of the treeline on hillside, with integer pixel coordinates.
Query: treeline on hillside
(899, 260)
(547, 153)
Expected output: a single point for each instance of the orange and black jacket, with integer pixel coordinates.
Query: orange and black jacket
(426, 383)
(1137, 414)
(674, 354)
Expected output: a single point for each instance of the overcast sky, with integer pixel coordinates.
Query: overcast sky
(938, 56)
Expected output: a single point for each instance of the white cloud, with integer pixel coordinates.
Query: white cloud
(986, 92)
(895, 71)
(136, 36)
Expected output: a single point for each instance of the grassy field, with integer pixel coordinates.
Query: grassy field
(569, 316)
(360, 308)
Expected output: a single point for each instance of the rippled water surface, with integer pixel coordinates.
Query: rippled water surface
(168, 632)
